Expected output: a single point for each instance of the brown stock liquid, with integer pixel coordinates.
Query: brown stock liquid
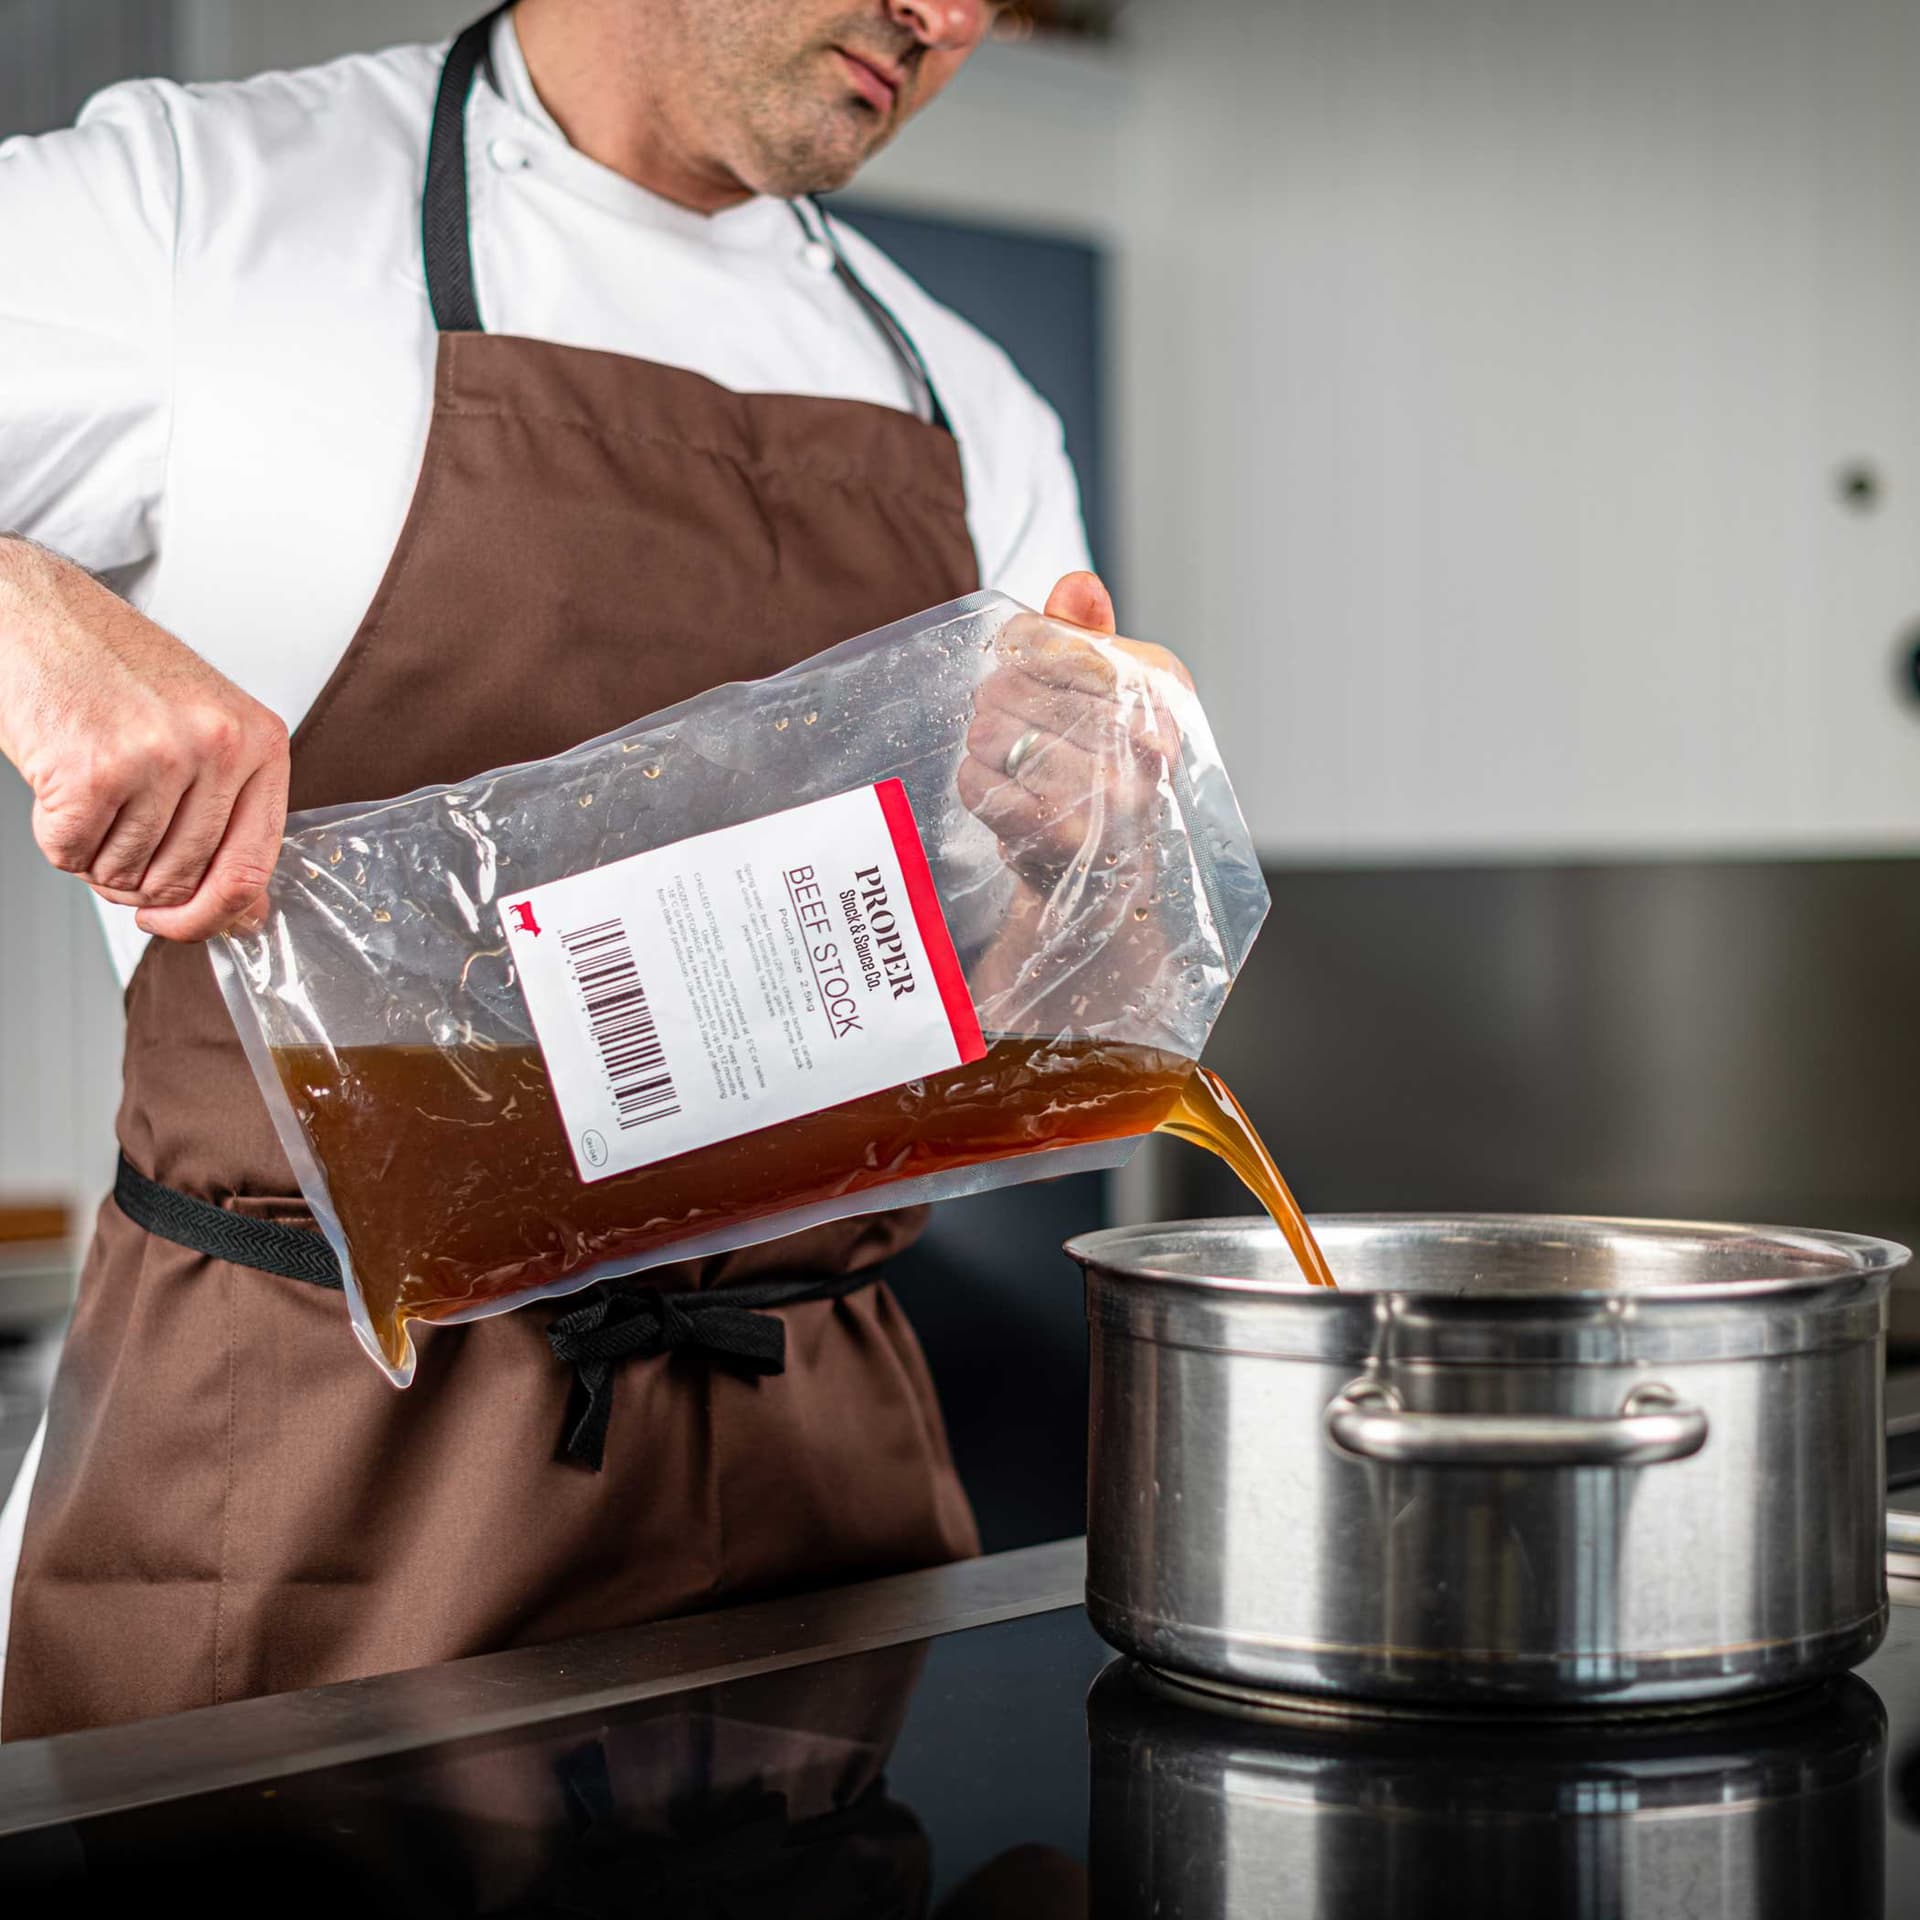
(450, 1172)
(1206, 1114)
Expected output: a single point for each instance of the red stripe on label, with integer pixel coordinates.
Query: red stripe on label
(897, 810)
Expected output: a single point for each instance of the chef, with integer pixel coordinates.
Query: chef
(368, 427)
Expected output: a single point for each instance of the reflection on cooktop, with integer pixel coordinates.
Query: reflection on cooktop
(1020, 1772)
(1774, 1810)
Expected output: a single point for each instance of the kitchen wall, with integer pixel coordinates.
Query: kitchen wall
(1500, 515)
(58, 51)
(1486, 368)
(228, 39)
(59, 1024)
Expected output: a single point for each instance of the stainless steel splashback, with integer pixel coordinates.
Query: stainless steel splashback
(1734, 1039)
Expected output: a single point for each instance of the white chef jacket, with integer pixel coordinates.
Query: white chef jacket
(216, 352)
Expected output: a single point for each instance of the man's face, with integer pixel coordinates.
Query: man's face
(792, 96)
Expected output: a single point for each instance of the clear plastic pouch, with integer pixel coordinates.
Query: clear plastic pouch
(495, 1087)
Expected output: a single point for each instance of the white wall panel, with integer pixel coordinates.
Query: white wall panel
(60, 1023)
(229, 39)
(1486, 368)
(1027, 135)
(53, 53)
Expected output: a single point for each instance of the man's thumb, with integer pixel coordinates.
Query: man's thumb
(1082, 600)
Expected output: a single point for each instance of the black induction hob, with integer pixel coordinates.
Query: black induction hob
(1013, 1769)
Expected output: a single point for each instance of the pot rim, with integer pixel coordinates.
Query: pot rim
(1856, 1258)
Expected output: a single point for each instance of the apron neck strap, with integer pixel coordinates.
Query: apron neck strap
(820, 229)
(444, 224)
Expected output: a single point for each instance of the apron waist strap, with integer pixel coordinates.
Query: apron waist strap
(615, 1322)
(295, 1253)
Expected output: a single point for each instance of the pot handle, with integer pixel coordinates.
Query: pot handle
(1366, 1419)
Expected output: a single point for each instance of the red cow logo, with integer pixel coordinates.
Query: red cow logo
(522, 911)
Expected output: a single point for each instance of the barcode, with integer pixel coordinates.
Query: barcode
(602, 961)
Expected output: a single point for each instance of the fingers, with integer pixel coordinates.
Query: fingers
(120, 862)
(226, 747)
(98, 813)
(69, 833)
(993, 734)
(1082, 600)
(1057, 763)
(1064, 797)
(1091, 781)
(1064, 781)
(1016, 814)
(1112, 668)
(1109, 727)
(1007, 705)
(1060, 657)
(231, 893)
(1062, 681)
(199, 825)
(1049, 824)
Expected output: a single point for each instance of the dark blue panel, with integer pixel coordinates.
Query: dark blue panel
(998, 1308)
(1041, 297)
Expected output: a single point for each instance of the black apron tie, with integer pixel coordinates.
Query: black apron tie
(642, 1324)
(730, 1325)
(616, 1322)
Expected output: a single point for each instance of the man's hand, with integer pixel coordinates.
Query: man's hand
(1071, 739)
(154, 778)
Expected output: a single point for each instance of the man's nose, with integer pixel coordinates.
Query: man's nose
(941, 24)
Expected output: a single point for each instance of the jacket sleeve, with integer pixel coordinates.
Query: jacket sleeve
(87, 224)
(1042, 533)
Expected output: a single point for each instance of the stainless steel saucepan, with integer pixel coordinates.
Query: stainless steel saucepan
(1537, 1462)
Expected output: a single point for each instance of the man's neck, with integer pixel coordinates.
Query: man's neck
(600, 89)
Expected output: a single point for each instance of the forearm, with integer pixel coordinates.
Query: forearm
(50, 610)
(27, 573)
(25, 588)
(20, 561)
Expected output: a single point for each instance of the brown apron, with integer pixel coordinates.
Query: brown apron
(232, 1500)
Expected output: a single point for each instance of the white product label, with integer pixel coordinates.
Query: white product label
(740, 979)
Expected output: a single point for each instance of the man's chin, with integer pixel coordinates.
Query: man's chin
(825, 161)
